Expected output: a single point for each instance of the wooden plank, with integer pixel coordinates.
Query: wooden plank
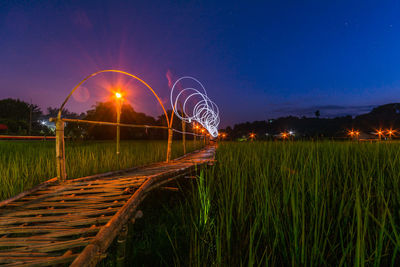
(94, 189)
(50, 261)
(72, 204)
(78, 231)
(15, 242)
(32, 229)
(27, 192)
(77, 211)
(56, 246)
(88, 221)
(50, 234)
(23, 254)
(115, 195)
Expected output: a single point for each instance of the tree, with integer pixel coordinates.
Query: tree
(107, 112)
(16, 114)
(317, 114)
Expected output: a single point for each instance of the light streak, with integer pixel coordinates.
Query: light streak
(204, 111)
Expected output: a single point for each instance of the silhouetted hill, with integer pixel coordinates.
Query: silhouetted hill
(382, 117)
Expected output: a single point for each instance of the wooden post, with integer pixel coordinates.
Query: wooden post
(121, 247)
(118, 121)
(184, 136)
(60, 151)
(169, 144)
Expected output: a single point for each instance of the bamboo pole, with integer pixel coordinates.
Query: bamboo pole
(184, 136)
(169, 144)
(121, 249)
(112, 123)
(118, 123)
(60, 151)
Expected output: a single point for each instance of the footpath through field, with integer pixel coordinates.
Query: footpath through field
(77, 221)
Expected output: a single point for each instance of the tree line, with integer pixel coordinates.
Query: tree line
(382, 117)
(21, 118)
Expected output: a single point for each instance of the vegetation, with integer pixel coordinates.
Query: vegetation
(20, 117)
(284, 204)
(297, 203)
(262, 203)
(24, 164)
(385, 117)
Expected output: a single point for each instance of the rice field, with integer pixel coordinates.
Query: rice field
(24, 164)
(293, 204)
(261, 204)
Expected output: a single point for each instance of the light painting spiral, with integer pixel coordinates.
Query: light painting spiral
(195, 106)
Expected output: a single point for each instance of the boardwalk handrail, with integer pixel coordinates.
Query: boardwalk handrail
(60, 124)
(112, 123)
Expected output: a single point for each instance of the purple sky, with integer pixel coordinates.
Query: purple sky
(257, 59)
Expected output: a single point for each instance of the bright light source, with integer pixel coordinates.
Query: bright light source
(291, 132)
(118, 95)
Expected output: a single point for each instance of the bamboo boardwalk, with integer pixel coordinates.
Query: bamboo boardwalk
(77, 221)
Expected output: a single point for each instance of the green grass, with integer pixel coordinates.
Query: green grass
(24, 164)
(261, 204)
(295, 204)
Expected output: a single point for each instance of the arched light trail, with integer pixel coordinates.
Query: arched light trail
(205, 111)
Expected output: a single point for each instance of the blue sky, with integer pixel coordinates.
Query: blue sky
(257, 59)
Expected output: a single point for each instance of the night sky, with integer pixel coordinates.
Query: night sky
(257, 60)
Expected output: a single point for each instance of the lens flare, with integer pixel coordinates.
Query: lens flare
(195, 105)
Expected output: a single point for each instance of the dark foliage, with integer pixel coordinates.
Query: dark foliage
(382, 117)
(20, 117)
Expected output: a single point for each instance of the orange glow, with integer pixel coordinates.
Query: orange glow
(202, 130)
(118, 95)
(284, 135)
(391, 132)
(252, 135)
(379, 133)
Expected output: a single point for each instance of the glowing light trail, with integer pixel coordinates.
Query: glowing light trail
(204, 111)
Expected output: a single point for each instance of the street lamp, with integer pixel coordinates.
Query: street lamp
(223, 136)
(351, 133)
(119, 99)
(196, 130)
(204, 136)
(391, 133)
(252, 136)
(379, 133)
